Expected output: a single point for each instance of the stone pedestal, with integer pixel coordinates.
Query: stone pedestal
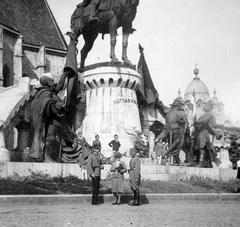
(111, 106)
(4, 153)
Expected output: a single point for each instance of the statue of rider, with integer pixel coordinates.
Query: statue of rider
(92, 8)
(174, 129)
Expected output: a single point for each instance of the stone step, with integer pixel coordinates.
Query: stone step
(152, 172)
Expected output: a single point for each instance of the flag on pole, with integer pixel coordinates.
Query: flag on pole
(193, 108)
(193, 104)
(146, 94)
(71, 67)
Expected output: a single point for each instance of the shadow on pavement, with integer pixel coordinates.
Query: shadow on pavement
(125, 199)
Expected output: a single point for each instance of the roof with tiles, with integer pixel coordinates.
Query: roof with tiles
(34, 20)
(5, 20)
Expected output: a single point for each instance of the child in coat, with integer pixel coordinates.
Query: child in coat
(118, 169)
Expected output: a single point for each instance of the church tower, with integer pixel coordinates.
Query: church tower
(218, 109)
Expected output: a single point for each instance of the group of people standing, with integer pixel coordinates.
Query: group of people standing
(93, 165)
(118, 169)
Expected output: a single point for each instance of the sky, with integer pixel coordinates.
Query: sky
(176, 35)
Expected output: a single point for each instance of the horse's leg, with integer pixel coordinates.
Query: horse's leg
(113, 38)
(89, 41)
(126, 31)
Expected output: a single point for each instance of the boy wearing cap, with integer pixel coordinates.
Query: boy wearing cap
(118, 168)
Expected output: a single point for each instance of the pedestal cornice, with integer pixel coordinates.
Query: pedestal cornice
(111, 76)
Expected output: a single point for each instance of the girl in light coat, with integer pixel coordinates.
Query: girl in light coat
(118, 169)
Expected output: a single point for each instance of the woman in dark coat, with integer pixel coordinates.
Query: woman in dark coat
(118, 168)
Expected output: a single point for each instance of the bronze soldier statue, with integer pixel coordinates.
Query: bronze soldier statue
(47, 115)
(204, 127)
(174, 129)
(45, 108)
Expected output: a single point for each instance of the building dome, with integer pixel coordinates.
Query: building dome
(197, 87)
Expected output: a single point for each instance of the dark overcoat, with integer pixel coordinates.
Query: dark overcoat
(134, 172)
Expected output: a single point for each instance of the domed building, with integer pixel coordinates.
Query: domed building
(195, 97)
(196, 94)
(198, 89)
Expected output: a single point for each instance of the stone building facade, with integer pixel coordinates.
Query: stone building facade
(31, 44)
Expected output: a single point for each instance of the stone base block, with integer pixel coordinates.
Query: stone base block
(4, 155)
(154, 172)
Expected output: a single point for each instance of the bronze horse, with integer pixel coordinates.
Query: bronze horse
(112, 14)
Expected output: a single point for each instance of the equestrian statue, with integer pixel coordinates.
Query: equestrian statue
(92, 17)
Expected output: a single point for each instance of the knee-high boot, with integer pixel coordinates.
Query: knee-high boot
(134, 198)
(137, 198)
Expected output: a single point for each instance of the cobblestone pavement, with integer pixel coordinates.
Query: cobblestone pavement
(104, 215)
